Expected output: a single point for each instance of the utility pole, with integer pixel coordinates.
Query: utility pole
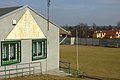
(48, 27)
(77, 51)
(48, 13)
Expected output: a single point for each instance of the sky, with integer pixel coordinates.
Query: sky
(73, 12)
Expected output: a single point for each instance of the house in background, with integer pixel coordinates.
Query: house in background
(107, 34)
(24, 38)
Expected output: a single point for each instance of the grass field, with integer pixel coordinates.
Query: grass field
(94, 60)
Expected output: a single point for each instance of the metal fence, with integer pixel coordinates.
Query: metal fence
(20, 70)
(66, 67)
(94, 42)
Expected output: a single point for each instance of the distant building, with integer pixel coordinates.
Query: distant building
(107, 34)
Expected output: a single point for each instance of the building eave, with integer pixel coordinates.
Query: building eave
(62, 31)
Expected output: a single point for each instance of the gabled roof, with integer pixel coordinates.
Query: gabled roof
(4, 11)
(8, 11)
(108, 32)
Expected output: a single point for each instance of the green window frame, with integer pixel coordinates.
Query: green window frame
(39, 49)
(10, 52)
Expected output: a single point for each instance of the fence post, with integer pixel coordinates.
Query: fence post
(92, 41)
(33, 70)
(86, 41)
(17, 70)
(69, 68)
(29, 69)
(78, 72)
(22, 71)
(5, 72)
(41, 68)
(9, 74)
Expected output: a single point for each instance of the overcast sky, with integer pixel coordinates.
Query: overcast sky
(72, 12)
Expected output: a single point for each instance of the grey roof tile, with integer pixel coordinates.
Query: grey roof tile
(4, 11)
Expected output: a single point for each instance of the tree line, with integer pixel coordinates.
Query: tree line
(85, 31)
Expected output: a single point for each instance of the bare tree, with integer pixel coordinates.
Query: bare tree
(118, 25)
(82, 29)
(94, 26)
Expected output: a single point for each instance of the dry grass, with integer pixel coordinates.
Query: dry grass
(95, 61)
(44, 77)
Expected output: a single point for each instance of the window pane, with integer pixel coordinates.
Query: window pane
(12, 51)
(43, 47)
(34, 49)
(5, 52)
(39, 48)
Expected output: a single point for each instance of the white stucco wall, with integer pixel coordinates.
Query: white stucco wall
(26, 51)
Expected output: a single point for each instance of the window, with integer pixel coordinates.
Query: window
(10, 52)
(39, 49)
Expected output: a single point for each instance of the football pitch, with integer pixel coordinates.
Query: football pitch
(93, 60)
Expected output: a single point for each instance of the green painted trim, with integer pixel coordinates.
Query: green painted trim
(39, 39)
(20, 52)
(39, 58)
(12, 41)
(45, 50)
(1, 53)
(9, 63)
(18, 57)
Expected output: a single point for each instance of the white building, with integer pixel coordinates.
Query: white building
(24, 38)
